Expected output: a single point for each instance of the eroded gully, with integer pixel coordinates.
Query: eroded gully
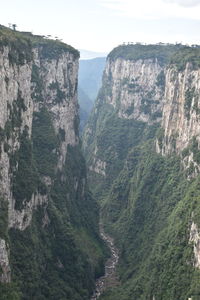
(110, 278)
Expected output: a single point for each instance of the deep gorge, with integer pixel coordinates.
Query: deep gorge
(137, 165)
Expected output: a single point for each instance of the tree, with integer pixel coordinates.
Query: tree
(14, 27)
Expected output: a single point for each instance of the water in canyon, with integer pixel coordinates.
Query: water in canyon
(109, 279)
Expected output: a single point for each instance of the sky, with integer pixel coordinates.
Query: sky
(101, 25)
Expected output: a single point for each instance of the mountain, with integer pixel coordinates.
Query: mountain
(89, 82)
(141, 145)
(90, 75)
(86, 54)
(49, 241)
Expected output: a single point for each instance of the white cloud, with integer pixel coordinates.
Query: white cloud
(185, 3)
(154, 9)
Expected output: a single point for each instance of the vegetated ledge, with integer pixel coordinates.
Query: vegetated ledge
(23, 43)
(186, 55)
(177, 54)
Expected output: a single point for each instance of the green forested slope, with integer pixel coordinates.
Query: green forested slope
(148, 203)
(149, 210)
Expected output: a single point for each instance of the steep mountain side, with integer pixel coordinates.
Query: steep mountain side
(140, 169)
(49, 245)
(130, 86)
(181, 115)
(131, 98)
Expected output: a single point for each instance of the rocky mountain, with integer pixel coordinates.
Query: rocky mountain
(49, 244)
(142, 149)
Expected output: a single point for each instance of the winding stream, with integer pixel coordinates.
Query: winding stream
(110, 277)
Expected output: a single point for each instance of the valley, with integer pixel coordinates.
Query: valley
(113, 214)
(109, 279)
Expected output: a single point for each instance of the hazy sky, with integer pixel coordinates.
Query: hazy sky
(100, 25)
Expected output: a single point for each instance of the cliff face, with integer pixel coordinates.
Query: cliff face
(57, 79)
(131, 86)
(152, 92)
(43, 180)
(180, 121)
(142, 149)
(132, 92)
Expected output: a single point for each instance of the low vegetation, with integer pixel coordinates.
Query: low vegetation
(161, 53)
(21, 46)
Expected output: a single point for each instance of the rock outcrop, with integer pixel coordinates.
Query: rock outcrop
(41, 166)
(145, 88)
(19, 100)
(58, 80)
(181, 107)
(195, 240)
(131, 86)
(4, 258)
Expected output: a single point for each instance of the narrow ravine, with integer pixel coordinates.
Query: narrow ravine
(110, 278)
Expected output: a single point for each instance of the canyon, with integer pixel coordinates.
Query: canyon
(113, 214)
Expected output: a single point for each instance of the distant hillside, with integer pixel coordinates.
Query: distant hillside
(85, 54)
(90, 75)
(85, 107)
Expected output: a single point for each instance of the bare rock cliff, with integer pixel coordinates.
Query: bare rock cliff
(131, 86)
(48, 218)
(151, 90)
(180, 121)
(18, 89)
(43, 82)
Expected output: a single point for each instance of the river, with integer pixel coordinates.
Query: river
(110, 278)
